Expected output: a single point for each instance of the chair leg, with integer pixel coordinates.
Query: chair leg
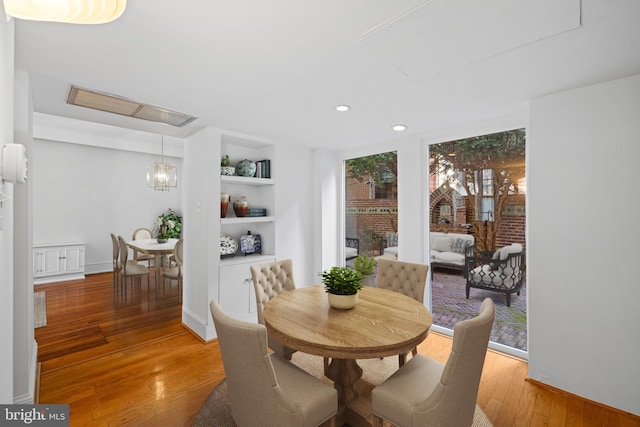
(377, 421)
(401, 359)
(331, 422)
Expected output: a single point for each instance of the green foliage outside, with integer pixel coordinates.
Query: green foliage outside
(463, 161)
(364, 264)
(377, 167)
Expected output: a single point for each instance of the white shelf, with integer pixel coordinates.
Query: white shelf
(247, 220)
(246, 259)
(246, 180)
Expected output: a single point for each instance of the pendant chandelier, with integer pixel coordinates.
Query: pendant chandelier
(162, 176)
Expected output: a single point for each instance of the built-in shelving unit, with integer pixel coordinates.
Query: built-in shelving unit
(236, 292)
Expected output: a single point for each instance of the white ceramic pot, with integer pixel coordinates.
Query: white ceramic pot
(342, 302)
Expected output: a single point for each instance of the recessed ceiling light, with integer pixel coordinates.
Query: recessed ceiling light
(343, 108)
(399, 127)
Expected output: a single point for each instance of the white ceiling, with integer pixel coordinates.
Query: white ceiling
(278, 68)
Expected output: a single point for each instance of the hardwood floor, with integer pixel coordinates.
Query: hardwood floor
(129, 362)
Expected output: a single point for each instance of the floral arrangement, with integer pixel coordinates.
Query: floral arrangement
(168, 225)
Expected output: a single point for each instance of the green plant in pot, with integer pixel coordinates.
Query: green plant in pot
(225, 166)
(342, 285)
(365, 265)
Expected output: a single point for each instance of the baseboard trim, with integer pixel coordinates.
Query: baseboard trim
(575, 396)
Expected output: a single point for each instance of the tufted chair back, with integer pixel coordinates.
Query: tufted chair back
(263, 389)
(403, 277)
(270, 280)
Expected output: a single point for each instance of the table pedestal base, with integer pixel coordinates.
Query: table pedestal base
(344, 373)
(354, 393)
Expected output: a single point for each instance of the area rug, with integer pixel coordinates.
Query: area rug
(216, 410)
(39, 309)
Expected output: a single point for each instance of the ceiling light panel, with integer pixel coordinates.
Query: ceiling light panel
(69, 11)
(126, 107)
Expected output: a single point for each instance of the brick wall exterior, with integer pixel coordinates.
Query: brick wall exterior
(370, 219)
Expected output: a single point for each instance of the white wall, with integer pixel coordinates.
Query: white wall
(294, 210)
(82, 193)
(583, 200)
(25, 349)
(6, 213)
(201, 233)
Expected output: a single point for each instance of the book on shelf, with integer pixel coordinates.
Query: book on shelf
(263, 168)
(256, 212)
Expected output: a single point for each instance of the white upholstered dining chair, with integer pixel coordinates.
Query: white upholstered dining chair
(142, 233)
(424, 392)
(265, 389)
(130, 269)
(175, 272)
(403, 277)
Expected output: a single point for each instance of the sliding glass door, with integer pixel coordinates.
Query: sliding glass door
(477, 198)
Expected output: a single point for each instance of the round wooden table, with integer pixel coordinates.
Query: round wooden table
(383, 323)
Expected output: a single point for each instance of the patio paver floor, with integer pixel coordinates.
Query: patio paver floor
(450, 305)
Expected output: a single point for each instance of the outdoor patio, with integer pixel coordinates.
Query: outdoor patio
(449, 305)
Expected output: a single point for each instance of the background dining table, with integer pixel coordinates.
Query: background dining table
(159, 250)
(383, 323)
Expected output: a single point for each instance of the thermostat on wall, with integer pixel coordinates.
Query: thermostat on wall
(13, 158)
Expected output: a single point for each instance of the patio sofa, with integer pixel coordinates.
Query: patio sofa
(446, 249)
(499, 271)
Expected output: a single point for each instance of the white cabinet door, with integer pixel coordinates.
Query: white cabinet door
(53, 261)
(38, 263)
(73, 259)
(236, 289)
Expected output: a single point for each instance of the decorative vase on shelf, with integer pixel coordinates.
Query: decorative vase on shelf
(246, 168)
(227, 170)
(240, 206)
(224, 204)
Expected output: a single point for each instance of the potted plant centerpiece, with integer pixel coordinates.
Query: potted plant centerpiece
(342, 285)
(365, 264)
(168, 226)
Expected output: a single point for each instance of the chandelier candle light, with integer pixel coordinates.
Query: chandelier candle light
(162, 176)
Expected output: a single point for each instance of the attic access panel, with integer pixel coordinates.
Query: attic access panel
(442, 35)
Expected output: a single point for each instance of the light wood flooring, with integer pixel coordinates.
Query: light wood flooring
(129, 362)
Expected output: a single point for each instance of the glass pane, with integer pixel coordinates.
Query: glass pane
(477, 207)
(371, 216)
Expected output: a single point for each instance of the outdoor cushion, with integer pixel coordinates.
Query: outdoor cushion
(460, 244)
(350, 252)
(447, 258)
(393, 250)
(487, 276)
(392, 239)
(442, 244)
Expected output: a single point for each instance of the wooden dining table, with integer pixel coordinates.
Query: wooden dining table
(383, 323)
(158, 250)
